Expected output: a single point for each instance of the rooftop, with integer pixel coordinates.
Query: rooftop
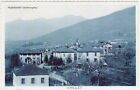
(27, 51)
(30, 69)
(30, 52)
(64, 50)
(89, 49)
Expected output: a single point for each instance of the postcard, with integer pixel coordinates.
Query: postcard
(69, 45)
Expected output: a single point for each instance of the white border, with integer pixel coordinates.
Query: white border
(2, 56)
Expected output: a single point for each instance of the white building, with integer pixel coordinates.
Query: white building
(81, 55)
(30, 75)
(89, 54)
(31, 57)
(65, 53)
(107, 48)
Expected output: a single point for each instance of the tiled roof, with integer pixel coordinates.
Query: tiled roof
(30, 51)
(89, 49)
(64, 50)
(30, 69)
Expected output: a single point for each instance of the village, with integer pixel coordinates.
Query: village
(86, 64)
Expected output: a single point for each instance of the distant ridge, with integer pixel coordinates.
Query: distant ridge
(118, 25)
(29, 29)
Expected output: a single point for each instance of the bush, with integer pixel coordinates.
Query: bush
(46, 59)
(94, 79)
(15, 60)
(103, 81)
(56, 61)
(69, 60)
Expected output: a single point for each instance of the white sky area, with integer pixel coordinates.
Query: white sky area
(52, 10)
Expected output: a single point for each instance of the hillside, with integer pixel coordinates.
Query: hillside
(29, 29)
(118, 25)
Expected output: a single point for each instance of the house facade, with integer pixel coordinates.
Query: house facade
(30, 58)
(80, 55)
(32, 80)
(107, 48)
(30, 75)
(89, 54)
(65, 53)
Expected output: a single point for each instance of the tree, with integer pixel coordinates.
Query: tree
(69, 60)
(51, 57)
(129, 53)
(103, 81)
(94, 79)
(46, 59)
(15, 60)
(56, 61)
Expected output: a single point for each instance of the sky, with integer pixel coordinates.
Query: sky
(53, 10)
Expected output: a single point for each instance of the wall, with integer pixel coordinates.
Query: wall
(91, 56)
(33, 57)
(17, 80)
(80, 56)
(64, 56)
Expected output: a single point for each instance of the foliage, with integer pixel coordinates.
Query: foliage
(46, 59)
(94, 79)
(55, 61)
(69, 60)
(51, 57)
(15, 60)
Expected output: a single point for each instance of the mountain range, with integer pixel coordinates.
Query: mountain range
(118, 25)
(29, 29)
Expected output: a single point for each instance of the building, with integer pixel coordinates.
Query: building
(31, 57)
(30, 75)
(89, 53)
(107, 48)
(65, 53)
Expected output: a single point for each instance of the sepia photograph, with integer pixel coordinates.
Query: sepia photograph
(71, 44)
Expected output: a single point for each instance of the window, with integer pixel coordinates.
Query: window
(42, 80)
(87, 60)
(32, 80)
(75, 56)
(26, 60)
(95, 59)
(23, 81)
(87, 53)
(95, 53)
(38, 62)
